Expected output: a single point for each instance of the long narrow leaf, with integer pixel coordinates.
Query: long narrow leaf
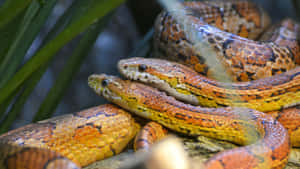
(55, 94)
(8, 33)
(43, 56)
(34, 19)
(65, 19)
(20, 101)
(10, 57)
(6, 104)
(10, 9)
(77, 7)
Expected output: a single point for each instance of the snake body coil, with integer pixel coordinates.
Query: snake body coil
(83, 137)
(148, 135)
(244, 59)
(239, 125)
(268, 94)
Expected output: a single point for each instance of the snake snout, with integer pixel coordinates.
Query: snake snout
(96, 79)
(129, 67)
(122, 66)
(98, 82)
(125, 63)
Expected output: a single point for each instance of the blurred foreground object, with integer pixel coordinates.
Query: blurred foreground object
(167, 154)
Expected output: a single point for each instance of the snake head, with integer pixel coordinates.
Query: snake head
(148, 70)
(105, 85)
(134, 68)
(127, 94)
(98, 82)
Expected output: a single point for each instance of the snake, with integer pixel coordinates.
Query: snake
(228, 30)
(68, 142)
(273, 94)
(266, 141)
(267, 94)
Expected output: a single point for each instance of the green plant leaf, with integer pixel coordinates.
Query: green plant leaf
(10, 9)
(43, 56)
(68, 17)
(6, 103)
(9, 61)
(55, 94)
(21, 100)
(34, 19)
(8, 33)
(77, 6)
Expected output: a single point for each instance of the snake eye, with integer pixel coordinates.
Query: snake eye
(142, 67)
(104, 82)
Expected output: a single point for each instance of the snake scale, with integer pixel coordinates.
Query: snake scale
(73, 141)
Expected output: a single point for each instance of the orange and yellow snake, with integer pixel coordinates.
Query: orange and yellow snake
(104, 131)
(83, 137)
(269, 94)
(267, 140)
(245, 59)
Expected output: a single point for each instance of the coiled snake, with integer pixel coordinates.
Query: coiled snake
(245, 59)
(104, 131)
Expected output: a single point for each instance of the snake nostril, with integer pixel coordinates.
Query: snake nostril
(104, 82)
(142, 67)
